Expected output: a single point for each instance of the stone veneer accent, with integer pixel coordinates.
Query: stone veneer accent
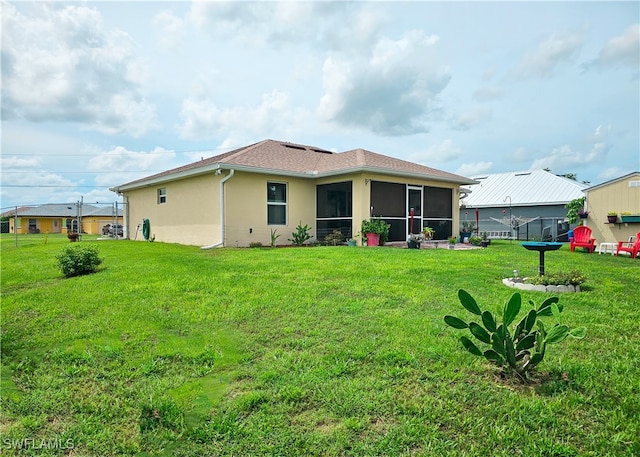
(519, 284)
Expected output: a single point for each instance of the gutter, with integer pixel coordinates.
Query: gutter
(222, 212)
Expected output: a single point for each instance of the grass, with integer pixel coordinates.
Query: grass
(333, 351)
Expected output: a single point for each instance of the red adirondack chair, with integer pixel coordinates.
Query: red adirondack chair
(632, 248)
(582, 239)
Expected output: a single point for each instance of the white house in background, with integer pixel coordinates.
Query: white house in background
(521, 204)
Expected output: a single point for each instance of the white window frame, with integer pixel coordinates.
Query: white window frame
(162, 195)
(285, 203)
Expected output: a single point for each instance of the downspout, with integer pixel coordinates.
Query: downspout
(222, 181)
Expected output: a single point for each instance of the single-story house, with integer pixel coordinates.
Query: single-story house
(249, 194)
(62, 218)
(620, 195)
(522, 204)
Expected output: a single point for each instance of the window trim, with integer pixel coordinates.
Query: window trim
(274, 203)
(162, 195)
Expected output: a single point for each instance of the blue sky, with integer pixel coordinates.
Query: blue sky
(96, 94)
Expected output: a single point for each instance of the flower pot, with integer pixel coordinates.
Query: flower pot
(452, 246)
(612, 219)
(351, 243)
(411, 244)
(373, 239)
(633, 218)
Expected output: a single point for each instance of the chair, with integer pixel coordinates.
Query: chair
(582, 239)
(631, 247)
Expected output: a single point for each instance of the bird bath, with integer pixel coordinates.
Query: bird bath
(541, 247)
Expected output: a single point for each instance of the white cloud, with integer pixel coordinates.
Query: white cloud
(612, 173)
(620, 50)
(475, 116)
(564, 158)
(283, 23)
(273, 117)
(549, 55)
(11, 163)
(121, 165)
(171, 28)
(490, 93)
(79, 72)
(442, 152)
(392, 92)
(474, 168)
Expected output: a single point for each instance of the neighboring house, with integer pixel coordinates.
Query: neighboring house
(246, 195)
(621, 195)
(523, 205)
(62, 218)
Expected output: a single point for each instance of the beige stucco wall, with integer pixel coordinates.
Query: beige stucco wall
(191, 214)
(246, 205)
(617, 196)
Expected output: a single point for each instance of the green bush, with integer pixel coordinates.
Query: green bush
(335, 238)
(78, 259)
(572, 278)
(301, 234)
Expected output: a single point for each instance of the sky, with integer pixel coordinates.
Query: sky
(97, 94)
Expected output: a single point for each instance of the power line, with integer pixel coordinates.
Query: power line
(81, 172)
(37, 187)
(90, 155)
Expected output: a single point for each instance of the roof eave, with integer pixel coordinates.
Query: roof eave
(311, 174)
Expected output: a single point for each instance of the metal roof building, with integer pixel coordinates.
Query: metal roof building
(522, 188)
(522, 204)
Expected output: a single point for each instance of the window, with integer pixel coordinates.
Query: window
(334, 209)
(276, 203)
(162, 195)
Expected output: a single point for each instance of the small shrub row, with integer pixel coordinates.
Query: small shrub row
(571, 278)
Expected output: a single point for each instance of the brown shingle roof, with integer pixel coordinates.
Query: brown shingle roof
(278, 157)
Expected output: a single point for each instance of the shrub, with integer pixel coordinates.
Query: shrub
(519, 352)
(274, 237)
(78, 259)
(335, 238)
(301, 234)
(572, 278)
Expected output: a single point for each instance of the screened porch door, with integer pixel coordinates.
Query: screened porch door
(414, 203)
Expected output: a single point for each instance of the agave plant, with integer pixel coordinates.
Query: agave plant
(518, 352)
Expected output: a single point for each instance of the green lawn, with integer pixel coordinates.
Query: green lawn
(333, 351)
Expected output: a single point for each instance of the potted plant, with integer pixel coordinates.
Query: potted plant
(628, 217)
(376, 231)
(414, 240)
(575, 206)
(484, 240)
(352, 242)
(475, 240)
(73, 236)
(428, 232)
(452, 242)
(612, 217)
(582, 214)
(466, 229)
